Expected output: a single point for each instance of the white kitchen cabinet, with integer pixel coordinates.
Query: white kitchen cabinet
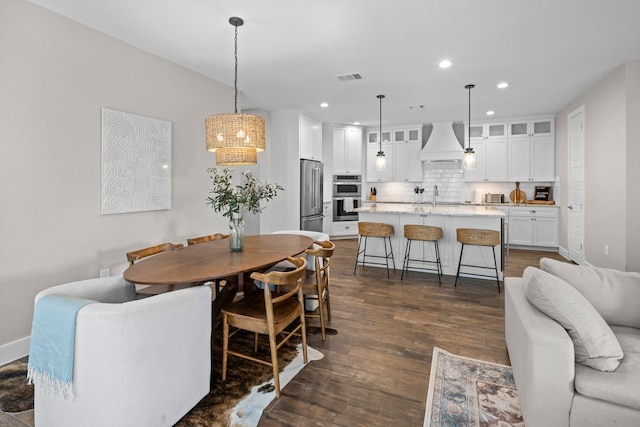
(492, 158)
(326, 219)
(544, 126)
(373, 136)
(344, 228)
(532, 149)
(401, 146)
(409, 134)
(407, 166)
(379, 176)
(486, 130)
(310, 137)
(347, 150)
(534, 226)
(489, 142)
(532, 158)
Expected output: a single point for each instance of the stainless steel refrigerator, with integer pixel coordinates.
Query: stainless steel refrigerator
(311, 195)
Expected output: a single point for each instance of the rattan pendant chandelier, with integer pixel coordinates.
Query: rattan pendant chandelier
(235, 138)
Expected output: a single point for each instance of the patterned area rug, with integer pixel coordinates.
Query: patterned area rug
(469, 392)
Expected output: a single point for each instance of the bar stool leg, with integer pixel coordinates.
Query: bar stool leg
(495, 263)
(405, 263)
(438, 264)
(357, 255)
(459, 262)
(364, 253)
(386, 255)
(392, 257)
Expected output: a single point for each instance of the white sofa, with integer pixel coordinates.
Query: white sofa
(555, 390)
(137, 363)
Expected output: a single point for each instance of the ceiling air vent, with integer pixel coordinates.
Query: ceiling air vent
(349, 77)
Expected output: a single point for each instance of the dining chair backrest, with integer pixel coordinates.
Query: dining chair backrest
(152, 250)
(281, 285)
(203, 239)
(322, 252)
(315, 284)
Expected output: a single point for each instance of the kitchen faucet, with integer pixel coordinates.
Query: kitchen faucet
(435, 193)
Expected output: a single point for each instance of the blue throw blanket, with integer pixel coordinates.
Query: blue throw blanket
(53, 333)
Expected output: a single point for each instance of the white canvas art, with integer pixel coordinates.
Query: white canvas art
(136, 163)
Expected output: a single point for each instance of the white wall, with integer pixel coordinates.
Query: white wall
(55, 75)
(611, 114)
(633, 171)
(285, 170)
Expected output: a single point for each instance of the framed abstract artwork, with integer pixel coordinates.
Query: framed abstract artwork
(136, 163)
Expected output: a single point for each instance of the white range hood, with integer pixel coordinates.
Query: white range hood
(442, 146)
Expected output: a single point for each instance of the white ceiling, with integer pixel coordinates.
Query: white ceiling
(550, 51)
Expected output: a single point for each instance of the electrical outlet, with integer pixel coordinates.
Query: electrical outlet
(606, 250)
(105, 272)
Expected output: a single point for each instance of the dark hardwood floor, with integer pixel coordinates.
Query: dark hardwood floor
(375, 371)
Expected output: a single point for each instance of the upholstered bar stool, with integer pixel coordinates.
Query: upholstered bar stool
(379, 230)
(478, 237)
(422, 233)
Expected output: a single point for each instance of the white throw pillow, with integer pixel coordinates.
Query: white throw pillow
(594, 343)
(614, 294)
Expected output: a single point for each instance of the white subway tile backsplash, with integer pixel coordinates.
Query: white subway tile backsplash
(449, 177)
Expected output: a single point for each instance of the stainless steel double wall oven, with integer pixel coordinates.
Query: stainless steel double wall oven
(347, 191)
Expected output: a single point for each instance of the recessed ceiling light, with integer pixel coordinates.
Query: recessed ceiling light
(324, 105)
(445, 63)
(503, 85)
(490, 113)
(356, 123)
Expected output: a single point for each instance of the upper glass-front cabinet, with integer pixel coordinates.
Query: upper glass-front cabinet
(395, 135)
(538, 127)
(487, 130)
(407, 135)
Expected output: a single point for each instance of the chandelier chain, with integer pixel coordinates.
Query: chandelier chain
(235, 80)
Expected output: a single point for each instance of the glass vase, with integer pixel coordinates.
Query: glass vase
(236, 236)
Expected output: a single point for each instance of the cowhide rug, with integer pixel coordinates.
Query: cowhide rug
(215, 409)
(15, 394)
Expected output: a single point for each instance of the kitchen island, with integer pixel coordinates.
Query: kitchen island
(447, 217)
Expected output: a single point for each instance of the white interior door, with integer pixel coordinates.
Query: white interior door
(575, 201)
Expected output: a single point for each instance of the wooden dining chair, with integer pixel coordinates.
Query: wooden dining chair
(134, 256)
(268, 313)
(315, 284)
(139, 254)
(209, 238)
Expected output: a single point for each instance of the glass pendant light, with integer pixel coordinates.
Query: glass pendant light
(381, 160)
(470, 159)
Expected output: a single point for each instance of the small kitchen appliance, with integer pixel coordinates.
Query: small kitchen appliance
(347, 185)
(494, 198)
(543, 192)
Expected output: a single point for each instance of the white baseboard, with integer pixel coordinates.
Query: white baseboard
(564, 252)
(14, 350)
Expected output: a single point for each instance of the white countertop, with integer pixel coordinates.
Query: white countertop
(428, 209)
(504, 205)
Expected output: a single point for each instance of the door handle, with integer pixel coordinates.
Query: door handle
(570, 207)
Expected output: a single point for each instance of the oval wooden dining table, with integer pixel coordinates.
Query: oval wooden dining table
(214, 260)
